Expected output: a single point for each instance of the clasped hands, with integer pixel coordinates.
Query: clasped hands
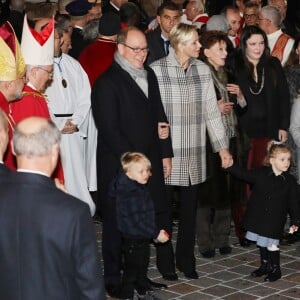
(69, 127)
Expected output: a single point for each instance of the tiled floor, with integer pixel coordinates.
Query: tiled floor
(227, 277)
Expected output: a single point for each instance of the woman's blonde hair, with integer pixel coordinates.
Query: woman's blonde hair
(181, 34)
(273, 149)
(128, 159)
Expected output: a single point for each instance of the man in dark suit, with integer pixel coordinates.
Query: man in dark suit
(4, 171)
(78, 11)
(168, 15)
(127, 110)
(48, 245)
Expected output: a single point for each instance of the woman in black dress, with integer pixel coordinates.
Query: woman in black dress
(264, 111)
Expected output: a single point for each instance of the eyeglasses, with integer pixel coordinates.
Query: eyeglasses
(250, 16)
(49, 72)
(261, 19)
(137, 50)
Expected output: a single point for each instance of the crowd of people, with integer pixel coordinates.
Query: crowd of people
(126, 111)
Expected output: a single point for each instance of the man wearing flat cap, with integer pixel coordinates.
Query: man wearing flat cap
(78, 11)
(99, 55)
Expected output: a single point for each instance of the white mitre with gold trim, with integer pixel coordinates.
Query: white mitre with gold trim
(12, 65)
(38, 47)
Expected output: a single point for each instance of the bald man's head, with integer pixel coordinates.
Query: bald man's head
(35, 136)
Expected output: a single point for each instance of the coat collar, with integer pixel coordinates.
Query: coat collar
(131, 82)
(33, 178)
(173, 60)
(283, 175)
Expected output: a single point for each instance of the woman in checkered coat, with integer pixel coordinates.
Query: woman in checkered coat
(189, 99)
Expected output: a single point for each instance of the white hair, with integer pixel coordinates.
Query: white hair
(198, 5)
(271, 13)
(270, 2)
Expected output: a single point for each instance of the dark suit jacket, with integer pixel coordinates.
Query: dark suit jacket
(78, 43)
(48, 245)
(127, 121)
(4, 170)
(156, 46)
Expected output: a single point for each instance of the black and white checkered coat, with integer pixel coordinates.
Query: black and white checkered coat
(191, 107)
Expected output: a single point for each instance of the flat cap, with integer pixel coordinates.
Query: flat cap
(78, 7)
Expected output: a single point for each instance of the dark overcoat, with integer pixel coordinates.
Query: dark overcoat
(48, 244)
(128, 121)
(156, 46)
(272, 198)
(134, 206)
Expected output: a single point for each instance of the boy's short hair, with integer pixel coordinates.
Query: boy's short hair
(130, 158)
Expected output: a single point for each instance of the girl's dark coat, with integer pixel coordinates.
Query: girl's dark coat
(272, 198)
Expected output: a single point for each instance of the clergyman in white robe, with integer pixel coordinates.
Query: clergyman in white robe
(69, 98)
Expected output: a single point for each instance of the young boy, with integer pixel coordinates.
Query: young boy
(136, 221)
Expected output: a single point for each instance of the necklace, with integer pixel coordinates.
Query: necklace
(261, 84)
(63, 81)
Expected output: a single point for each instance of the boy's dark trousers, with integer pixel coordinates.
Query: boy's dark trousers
(136, 261)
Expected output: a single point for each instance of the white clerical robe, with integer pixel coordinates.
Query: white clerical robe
(272, 39)
(69, 94)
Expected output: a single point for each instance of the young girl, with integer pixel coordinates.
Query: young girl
(274, 194)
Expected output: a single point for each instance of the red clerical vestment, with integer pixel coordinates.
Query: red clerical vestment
(97, 58)
(33, 104)
(9, 158)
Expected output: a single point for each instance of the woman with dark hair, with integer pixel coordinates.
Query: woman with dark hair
(220, 190)
(264, 113)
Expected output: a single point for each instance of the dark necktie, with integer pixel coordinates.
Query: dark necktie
(167, 45)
